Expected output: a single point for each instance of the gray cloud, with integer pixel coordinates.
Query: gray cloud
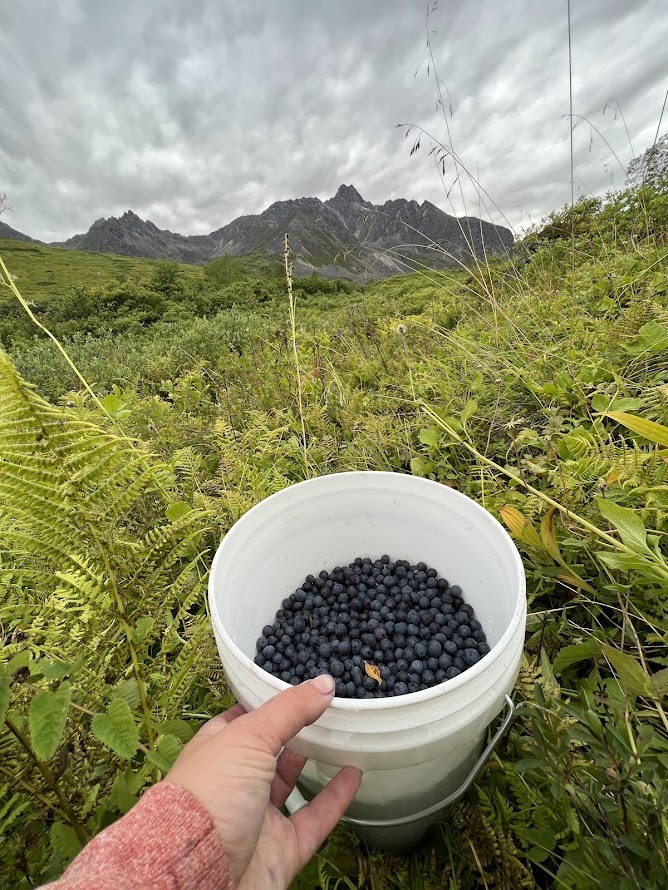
(192, 112)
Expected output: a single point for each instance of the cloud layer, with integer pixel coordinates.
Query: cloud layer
(193, 113)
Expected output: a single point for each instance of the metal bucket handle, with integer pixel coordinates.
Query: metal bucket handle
(296, 800)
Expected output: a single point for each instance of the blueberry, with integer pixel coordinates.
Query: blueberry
(400, 689)
(335, 668)
(428, 678)
(416, 667)
(452, 672)
(471, 657)
(450, 647)
(351, 689)
(434, 649)
(325, 650)
(268, 651)
(483, 648)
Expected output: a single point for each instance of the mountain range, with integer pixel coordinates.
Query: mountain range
(344, 236)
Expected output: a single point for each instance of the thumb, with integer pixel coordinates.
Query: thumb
(273, 724)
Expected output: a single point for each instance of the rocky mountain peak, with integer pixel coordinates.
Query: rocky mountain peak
(348, 193)
(344, 236)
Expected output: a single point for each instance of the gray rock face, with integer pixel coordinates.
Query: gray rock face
(344, 236)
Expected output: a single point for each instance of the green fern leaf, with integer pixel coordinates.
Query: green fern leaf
(47, 718)
(117, 730)
(64, 840)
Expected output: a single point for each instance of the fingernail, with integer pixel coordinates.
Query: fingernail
(324, 683)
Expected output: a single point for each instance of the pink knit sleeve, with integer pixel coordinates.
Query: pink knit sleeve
(166, 842)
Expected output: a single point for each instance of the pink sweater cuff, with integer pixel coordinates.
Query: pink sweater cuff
(166, 842)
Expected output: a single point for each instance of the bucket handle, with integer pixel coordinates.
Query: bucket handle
(296, 800)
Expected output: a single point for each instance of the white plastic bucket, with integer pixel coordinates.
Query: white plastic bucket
(416, 749)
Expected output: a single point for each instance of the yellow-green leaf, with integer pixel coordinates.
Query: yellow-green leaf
(177, 510)
(520, 527)
(372, 671)
(166, 753)
(468, 411)
(660, 682)
(429, 437)
(4, 698)
(117, 729)
(632, 677)
(573, 580)
(630, 526)
(548, 535)
(571, 655)
(648, 429)
(47, 718)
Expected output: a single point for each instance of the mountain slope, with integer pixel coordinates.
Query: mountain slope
(8, 232)
(42, 272)
(344, 236)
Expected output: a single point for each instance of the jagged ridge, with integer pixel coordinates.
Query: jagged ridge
(343, 236)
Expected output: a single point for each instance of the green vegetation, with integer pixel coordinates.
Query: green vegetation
(537, 386)
(43, 272)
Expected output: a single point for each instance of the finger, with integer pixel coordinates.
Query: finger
(215, 725)
(273, 724)
(313, 823)
(288, 769)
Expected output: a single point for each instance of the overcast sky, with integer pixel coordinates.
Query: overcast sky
(192, 112)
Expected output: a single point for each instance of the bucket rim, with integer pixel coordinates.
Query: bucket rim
(392, 702)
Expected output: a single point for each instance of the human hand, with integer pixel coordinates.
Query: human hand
(231, 768)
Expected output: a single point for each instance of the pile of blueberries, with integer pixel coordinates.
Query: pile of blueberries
(380, 628)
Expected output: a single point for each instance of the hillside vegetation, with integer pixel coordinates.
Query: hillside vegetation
(537, 385)
(44, 272)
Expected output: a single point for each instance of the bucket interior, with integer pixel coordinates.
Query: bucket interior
(333, 519)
